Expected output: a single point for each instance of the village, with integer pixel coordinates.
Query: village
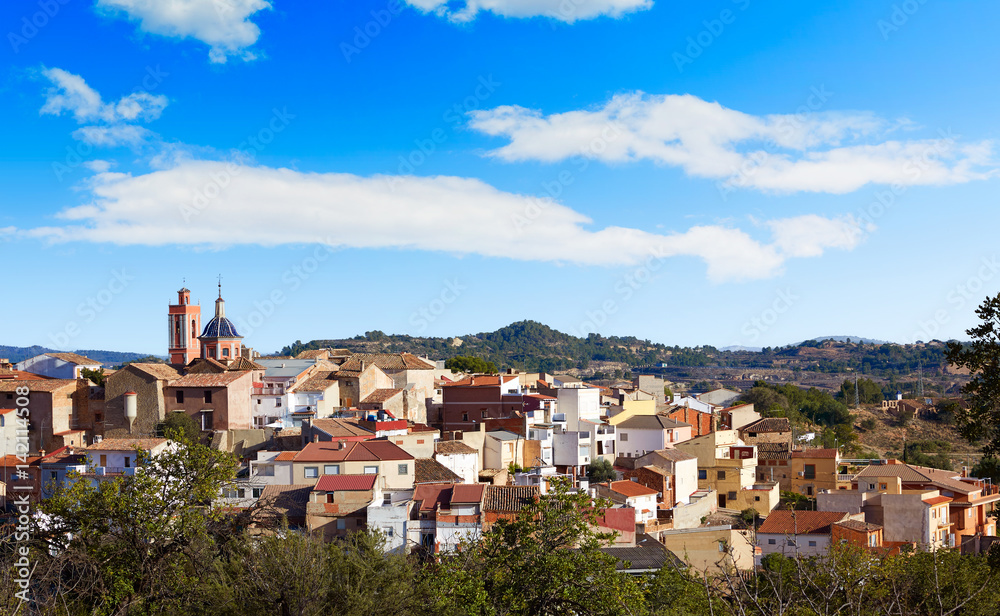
(335, 442)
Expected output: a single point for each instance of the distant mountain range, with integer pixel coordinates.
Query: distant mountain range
(108, 358)
(851, 338)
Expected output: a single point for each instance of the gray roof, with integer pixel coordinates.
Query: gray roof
(651, 422)
(292, 367)
(648, 554)
(504, 435)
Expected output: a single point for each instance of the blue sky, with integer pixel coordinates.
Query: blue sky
(725, 173)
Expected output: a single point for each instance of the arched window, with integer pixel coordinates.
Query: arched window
(194, 327)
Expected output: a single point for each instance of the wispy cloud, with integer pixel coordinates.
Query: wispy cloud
(190, 202)
(115, 126)
(224, 25)
(814, 152)
(567, 11)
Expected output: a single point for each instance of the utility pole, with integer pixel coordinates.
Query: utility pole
(920, 382)
(857, 398)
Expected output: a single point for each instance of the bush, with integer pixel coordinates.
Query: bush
(868, 424)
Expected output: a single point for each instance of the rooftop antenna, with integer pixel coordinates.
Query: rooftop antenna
(220, 286)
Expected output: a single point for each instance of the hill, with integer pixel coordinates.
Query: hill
(108, 358)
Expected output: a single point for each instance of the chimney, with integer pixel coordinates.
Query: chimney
(315, 438)
(341, 444)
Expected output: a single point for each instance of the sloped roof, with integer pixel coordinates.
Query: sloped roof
(205, 365)
(341, 428)
(319, 381)
(242, 363)
(286, 456)
(381, 395)
(464, 493)
(483, 380)
(313, 354)
(509, 498)
(783, 522)
(361, 451)
(452, 447)
(768, 424)
(651, 422)
(826, 454)
(430, 495)
(648, 554)
(632, 488)
(46, 385)
(287, 500)
(773, 451)
(73, 358)
(157, 371)
(387, 361)
(208, 379)
(674, 455)
(428, 470)
(345, 483)
(858, 525)
(126, 444)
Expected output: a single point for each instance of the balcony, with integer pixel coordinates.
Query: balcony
(845, 478)
(269, 390)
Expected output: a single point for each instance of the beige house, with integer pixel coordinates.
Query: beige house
(711, 548)
(394, 467)
(815, 470)
(728, 466)
(148, 381)
(216, 401)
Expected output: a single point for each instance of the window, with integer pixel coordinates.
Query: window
(484, 415)
(722, 475)
(465, 417)
(371, 470)
(756, 499)
(312, 472)
(702, 473)
(810, 471)
(771, 541)
(420, 441)
(404, 468)
(812, 544)
(331, 469)
(722, 546)
(98, 417)
(231, 493)
(258, 400)
(208, 396)
(341, 524)
(128, 461)
(882, 486)
(277, 402)
(624, 437)
(388, 531)
(180, 396)
(104, 459)
(256, 492)
(790, 543)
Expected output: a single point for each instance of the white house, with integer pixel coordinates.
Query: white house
(576, 404)
(798, 533)
(459, 458)
(641, 434)
(273, 400)
(695, 403)
(58, 365)
(632, 494)
(571, 449)
(542, 433)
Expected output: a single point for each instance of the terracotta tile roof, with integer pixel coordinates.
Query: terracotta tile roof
(937, 500)
(768, 424)
(73, 358)
(347, 374)
(158, 371)
(244, 364)
(858, 525)
(45, 385)
(427, 470)
(286, 456)
(632, 488)
(14, 375)
(289, 501)
(446, 448)
(341, 428)
(773, 451)
(208, 379)
(419, 427)
(674, 455)
(783, 522)
(909, 473)
(204, 365)
(826, 454)
(381, 395)
(313, 354)
(10, 460)
(465, 493)
(319, 381)
(345, 483)
(125, 444)
(363, 451)
(509, 498)
(430, 495)
(387, 361)
(487, 380)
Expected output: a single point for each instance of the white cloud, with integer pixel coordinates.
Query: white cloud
(568, 11)
(70, 93)
(809, 235)
(808, 152)
(224, 25)
(211, 203)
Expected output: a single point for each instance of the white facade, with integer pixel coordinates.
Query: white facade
(542, 433)
(390, 515)
(465, 465)
(603, 440)
(793, 545)
(694, 403)
(571, 448)
(579, 403)
(635, 442)
(47, 365)
(685, 479)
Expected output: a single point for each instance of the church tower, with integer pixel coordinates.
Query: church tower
(220, 340)
(184, 321)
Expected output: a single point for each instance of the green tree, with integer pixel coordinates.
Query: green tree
(987, 466)
(600, 470)
(470, 365)
(95, 376)
(180, 427)
(980, 422)
(545, 562)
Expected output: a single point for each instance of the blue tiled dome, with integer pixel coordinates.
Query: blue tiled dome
(220, 327)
